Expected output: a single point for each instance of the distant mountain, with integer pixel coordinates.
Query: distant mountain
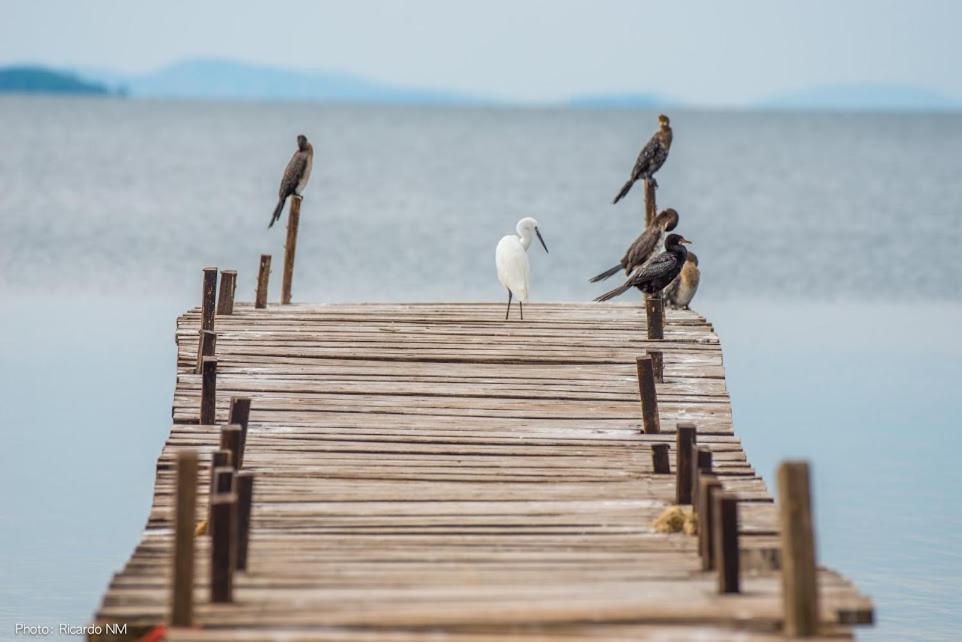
(863, 98)
(618, 101)
(227, 80)
(39, 80)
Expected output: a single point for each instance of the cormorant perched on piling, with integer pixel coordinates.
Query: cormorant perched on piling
(296, 175)
(652, 157)
(681, 290)
(645, 246)
(654, 275)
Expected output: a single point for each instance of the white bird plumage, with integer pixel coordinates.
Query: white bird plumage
(511, 259)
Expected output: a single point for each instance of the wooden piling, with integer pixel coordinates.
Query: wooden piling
(659, 459)
(228, 286)
(182, 586)
(649, 397)
(708, 485)
(244, 486)
(208, 300)
(206, 347)
(650, 206)
(208, 391)
(293, 218)
(223, 534)
(239, 413)
(221, 483)
(725, 536)
(657, 364)
(701, 465)
(655, 313)
(263, 275)
(799, 582)
(230, 440)
(684, 455)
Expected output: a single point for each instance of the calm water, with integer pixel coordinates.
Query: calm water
(831, 268)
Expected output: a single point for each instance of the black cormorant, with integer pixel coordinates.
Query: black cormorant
(296, 175)
(645, 246)
(654, 275)
(652, 157)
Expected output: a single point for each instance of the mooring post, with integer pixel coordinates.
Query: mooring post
(206, 347)
(799, 580)
(230, 440)
(657, 364)
(263, 275)
(208, 391)
(702, 465)
(182, 597)
(655, 313)
(649, 398)
(659, 459)
(208, 300)
(222, 483)
(293, 218)
(239, 414)
(725, 533)
(225, 298)
(223, 535)
(684, 455)
(244, 485)
(708, 485)
(219, 459)
(650, 207)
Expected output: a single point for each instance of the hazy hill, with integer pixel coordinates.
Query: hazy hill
(39, 80)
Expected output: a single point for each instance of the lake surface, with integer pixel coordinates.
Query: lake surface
(829, 246)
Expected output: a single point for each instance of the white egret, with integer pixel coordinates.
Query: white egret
(511, 259)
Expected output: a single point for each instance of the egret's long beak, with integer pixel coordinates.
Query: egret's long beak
(540, 238)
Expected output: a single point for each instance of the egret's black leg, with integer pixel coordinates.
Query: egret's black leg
(508, 311)
(521, 307)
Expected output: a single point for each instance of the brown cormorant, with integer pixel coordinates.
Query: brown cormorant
(645, 246)
(296, 175)
(681, 290)
(654, 275)
(652, 157)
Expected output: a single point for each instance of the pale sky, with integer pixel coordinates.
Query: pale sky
(709, 52)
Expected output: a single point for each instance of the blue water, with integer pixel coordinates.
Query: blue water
(828, 245)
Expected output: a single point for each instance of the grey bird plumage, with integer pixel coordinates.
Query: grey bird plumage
(296, 175)
(655, 274)
(648, 243)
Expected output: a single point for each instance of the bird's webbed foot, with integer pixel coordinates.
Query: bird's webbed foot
(652, 182)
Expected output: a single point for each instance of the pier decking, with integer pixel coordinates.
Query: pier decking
(430, 471)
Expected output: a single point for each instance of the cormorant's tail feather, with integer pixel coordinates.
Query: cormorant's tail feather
(604, 275)
(277, 213)
(624, 190)
(618, 291)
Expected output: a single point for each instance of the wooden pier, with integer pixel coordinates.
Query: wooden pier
(430, 471)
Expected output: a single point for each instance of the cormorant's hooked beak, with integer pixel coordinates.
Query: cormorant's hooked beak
(540, 238)
(685, 241)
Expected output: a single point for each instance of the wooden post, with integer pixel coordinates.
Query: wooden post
(230, 440)
(725, 535)
(208, 391)
(244, 484)
(799, 581)
(702, 464)
(649, 398)
(206, 347)
(182, 598)
(650, 206)
(293, 218)
(659, 459)
(207, 302)
(228, 285)
(239, 414)
(684, 453)
(223, 534)
(657, 364)
(655, 312)
(708, 485)
(221, 483)
(263, 275)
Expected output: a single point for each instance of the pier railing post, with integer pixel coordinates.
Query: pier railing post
(799, 580)
(239, 414)
(230, 440)
(208, 391)
(649, 397)
(684, 456)
(223, 535)
(208, 300)
(657, 364)
(655, 314)
(244, 486)
(182, 586)
(708, 485)
(659, 459)
(725, 533)
(293, 218)
(228, 286)
(701, 465)
(206, 347)
(263, 276)
(650, 206)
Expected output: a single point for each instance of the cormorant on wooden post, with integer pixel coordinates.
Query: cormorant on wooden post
(652, 157)
(296, 175)
(681, 290)
(653, 276)
(645, 246)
